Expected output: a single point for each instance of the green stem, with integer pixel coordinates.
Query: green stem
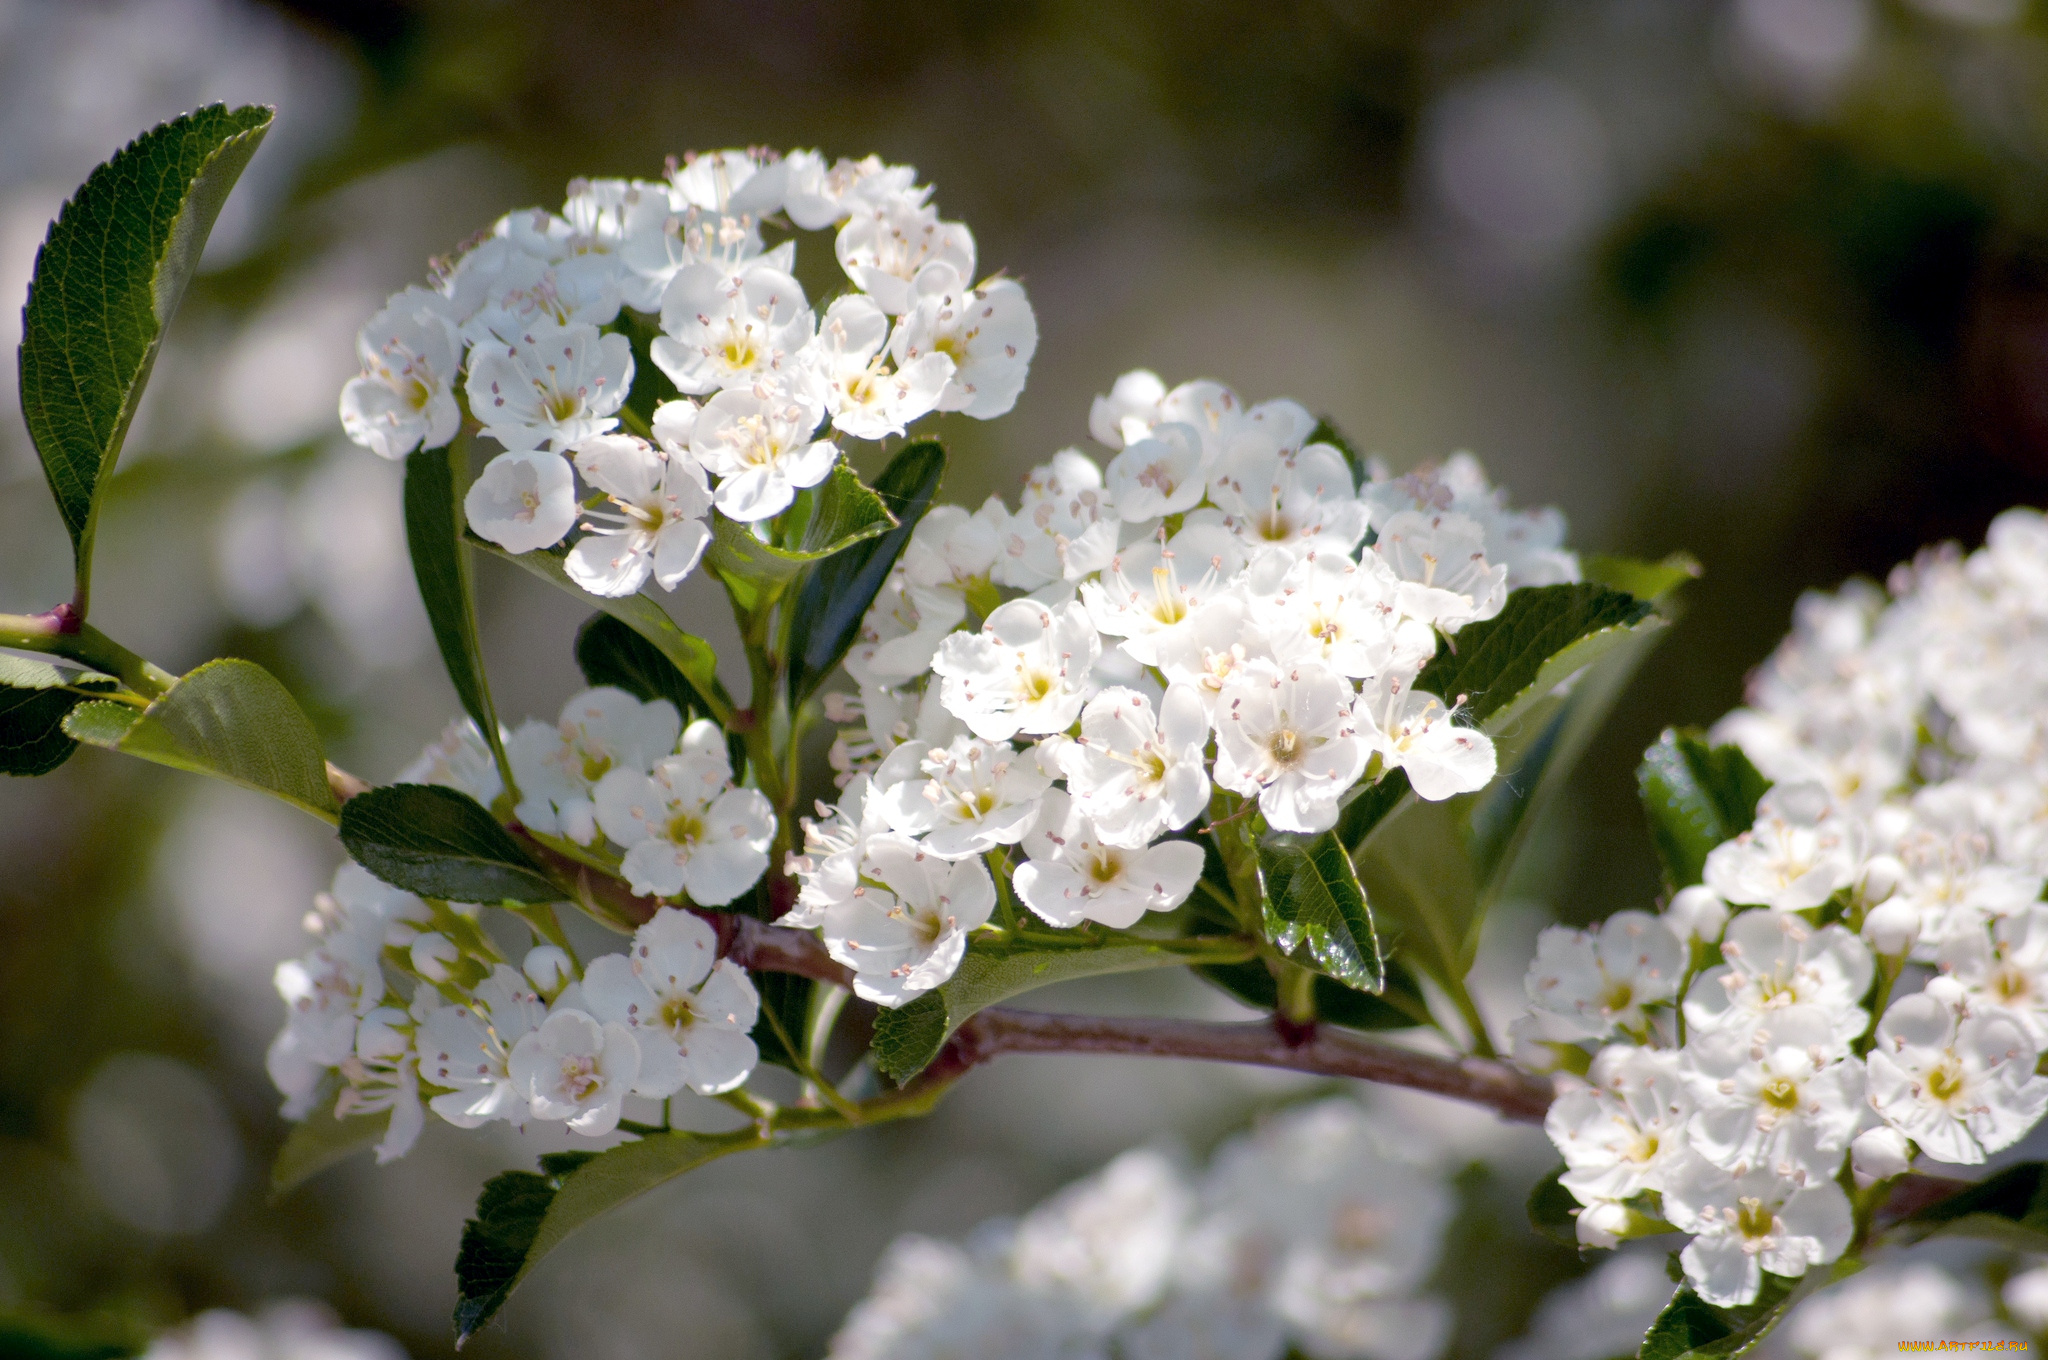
(1297, 986)
(804, 1068)
(1482, 1042)
(87, 646)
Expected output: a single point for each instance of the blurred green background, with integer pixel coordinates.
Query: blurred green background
(1765, 280)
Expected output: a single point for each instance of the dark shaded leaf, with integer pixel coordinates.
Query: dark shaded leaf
(610, 652)
(521, 1216)
(31, 1334)
(435, 482)
(35, 698)
(1497, 660)
(1554, 1210)
(107, 280)
(439, 842)
(230, 719)
(1696, 796)
(1315, 906)
(824, 617)
(787, 998)
(1690, 1328)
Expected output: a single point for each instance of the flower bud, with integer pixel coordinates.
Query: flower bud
(548, 969)
(1880, 879)
(1892, 927)
(1697, 912)
(1604, 1224)
(433, 954)
(1948, 992)
(1878, 1155)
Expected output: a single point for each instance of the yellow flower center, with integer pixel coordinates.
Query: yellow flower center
(1780, 1094)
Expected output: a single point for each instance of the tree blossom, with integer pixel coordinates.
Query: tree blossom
(974, 795)
(897, 251)
(1589, 983)
(1064, 527)
(1961, 1085)
(537, 294)
(2007, 968)
(1165, 473)
(1441, 560)
(1135, 774)
(405, 398)
(1026, 671)
(559, 767)
(866, 397)
(1622, 1131)
(1322, 606)
(1744, 1225)
(470, 1050)
(574, 1068)
(1784, 1096)
(1075, 875)
(382, 1077)
(1288, 737)
(523, 501)
(724, 330)
(457, 759)
(1793, 858)
(1143, 597)
(1293, 498)
(690, 1011)
(552, 387)
(684, 827)
(907, 936)
(1775, 960)
(1414, 732)
(658, 528)
(758, 442)
(990, 334)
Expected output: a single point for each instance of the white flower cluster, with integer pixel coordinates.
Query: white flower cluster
(495, 1031)
(1223, 606)
(1766, 1026)
(1313, 1232)
(289, 1329)
(528, 323)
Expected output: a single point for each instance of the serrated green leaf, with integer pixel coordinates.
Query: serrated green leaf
(1690, 1328)
(909, 1037)
(834, 595)
(1399, 1005)
(230, 719)
(1327, 433)
(521, 1216)
(435, 482)
(109, 276)
(440, 842)
(1696, 796)
(692, 656)
(321, 1140)
(21, 672)
(834, 515)
(2010, 1208)
(1554, 1210)
(1539, 678)
(1644, 580)
(1315, 906)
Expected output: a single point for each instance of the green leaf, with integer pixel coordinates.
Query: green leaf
(434, 486)
(33, 1334)
(1314, 905)
(1327, 433)
(35, 698)
(1539, 677)
(1644, 580)
(834, 515)
(1696, 796)
(787, 998)
(107, 281)
(1252, 983)
(692, 656)
(230, 719)
(521, 1216)
(995, 969)
(1690, 1328)
(824, 618)
(319, 1141)
(440, 842)
(2010, 1207)
(1554, 1210)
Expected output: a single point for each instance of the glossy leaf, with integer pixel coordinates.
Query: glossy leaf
(1315, 906)
(521, 1216)
(35, 698)
(1539, 678)
(440, 842)
(319, 1141)
(826, 611)
(692, 656)
(109, 276)
(230, 719)
(1690, 1328)
(909, 1037)
(1696, 796)
(435, 482)
(836, 514)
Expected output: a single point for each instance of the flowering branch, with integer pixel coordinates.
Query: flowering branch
(1508, 1091)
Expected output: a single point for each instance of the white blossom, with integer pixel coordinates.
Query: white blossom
(1287, 735)
(964, 798)
(405, 398)
(2007, 967)
(818, 196)
(1150, 592)
(1064, 527)
(907, 936)
(558, 767)
(576, 1069)
(469, 1049)
(1589, 983)
(457, 759)
(1441, 560)
(690, 1011)
(658, 528)
(1744, 1225)
(1025, 671)
(1297, 498)
(523, 501)
(1793, 858)
(1785, 1096)
(1962, 1087)
(1135, 774)
(758, 442)
(1622, 1132)
(867, 397)
(684, 827)
(382, 1076)
(1075, 875)
(725, 330)
(550, 387)
(1165, 473)
(1774, 960)
(897, 251)
(990, 334)
(1411, 730)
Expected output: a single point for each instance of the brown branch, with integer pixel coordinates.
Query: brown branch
(1508, 1091)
